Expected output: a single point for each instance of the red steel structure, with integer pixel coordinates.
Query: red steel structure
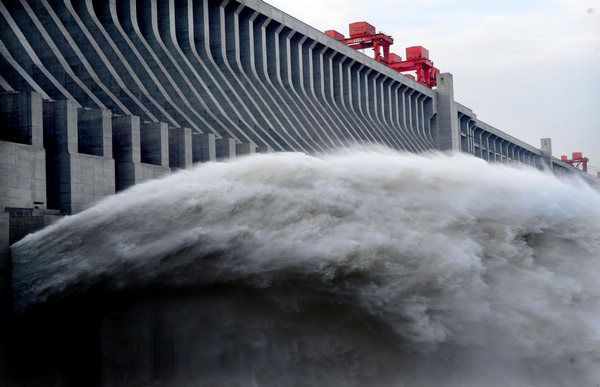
(364, 35)
(576, 161)
(417, 59)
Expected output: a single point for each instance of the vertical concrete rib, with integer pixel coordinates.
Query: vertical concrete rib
(4, 85)
(344, 99)
(167, 50)
(77, 60)
(273, 62)
(16, 74)
(353, 100)
(322, 78)
(366, 103)
(426, 114)
(42, 43)
(295, 78)
(100, 53)
(241, 53)
(375, 101)
(130, 53)
(213, 97)
(385, 112)
(202, 24)
(401, 142)
(23, 53)
(315, 76)
(259, 66)
(287, 63)
(414, 101)
(239, 60)
(328, 90)
(226, 40)
(319, 89)
(422, 122)
(169, 73)
(410, 114)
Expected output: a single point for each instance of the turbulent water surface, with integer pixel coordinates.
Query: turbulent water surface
(368, 268)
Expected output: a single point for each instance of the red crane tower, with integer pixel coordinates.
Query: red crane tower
(576, 161)
(364, 35)
(417, 59)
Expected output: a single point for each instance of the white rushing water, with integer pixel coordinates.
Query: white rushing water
(467, 273)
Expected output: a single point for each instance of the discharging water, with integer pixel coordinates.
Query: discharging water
(366, 268)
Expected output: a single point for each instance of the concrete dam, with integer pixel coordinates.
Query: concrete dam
(370, 267)
(100, 95)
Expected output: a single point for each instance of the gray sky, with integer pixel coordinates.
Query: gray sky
(531, 68)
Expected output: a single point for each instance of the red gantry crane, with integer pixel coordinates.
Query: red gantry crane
(364, 35)
(576, 161)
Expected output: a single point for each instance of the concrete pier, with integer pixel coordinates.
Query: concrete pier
(225, 148)
(127, 149)
(546, 147)
(76, 180)
(204, 148)
(245, 149)
(154, 138)
(22, 156)
(4, 262)
(180, 148)
(447, 121)
(94, 132)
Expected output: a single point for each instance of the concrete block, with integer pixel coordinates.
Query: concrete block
(546, 159)
(21, 118)
(126, 138)
(4, 259)
(22, 175)
(180, 148)
(447, 120)
(246, 148)
(154, 139)
(264, 149)
(94, 132)
(145, 172)
(225, 148)
(203, 148)
(75, 181)
(92, 178)
(60, 126)
(126, 150)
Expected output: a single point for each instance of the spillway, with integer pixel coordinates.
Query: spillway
(369, 267)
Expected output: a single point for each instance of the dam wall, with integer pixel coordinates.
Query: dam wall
(99, 95)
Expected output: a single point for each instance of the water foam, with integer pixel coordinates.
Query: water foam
(453, 255)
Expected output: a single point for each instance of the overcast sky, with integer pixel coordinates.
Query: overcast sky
(530, 68)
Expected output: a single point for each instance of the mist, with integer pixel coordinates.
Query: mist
(364, 267)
